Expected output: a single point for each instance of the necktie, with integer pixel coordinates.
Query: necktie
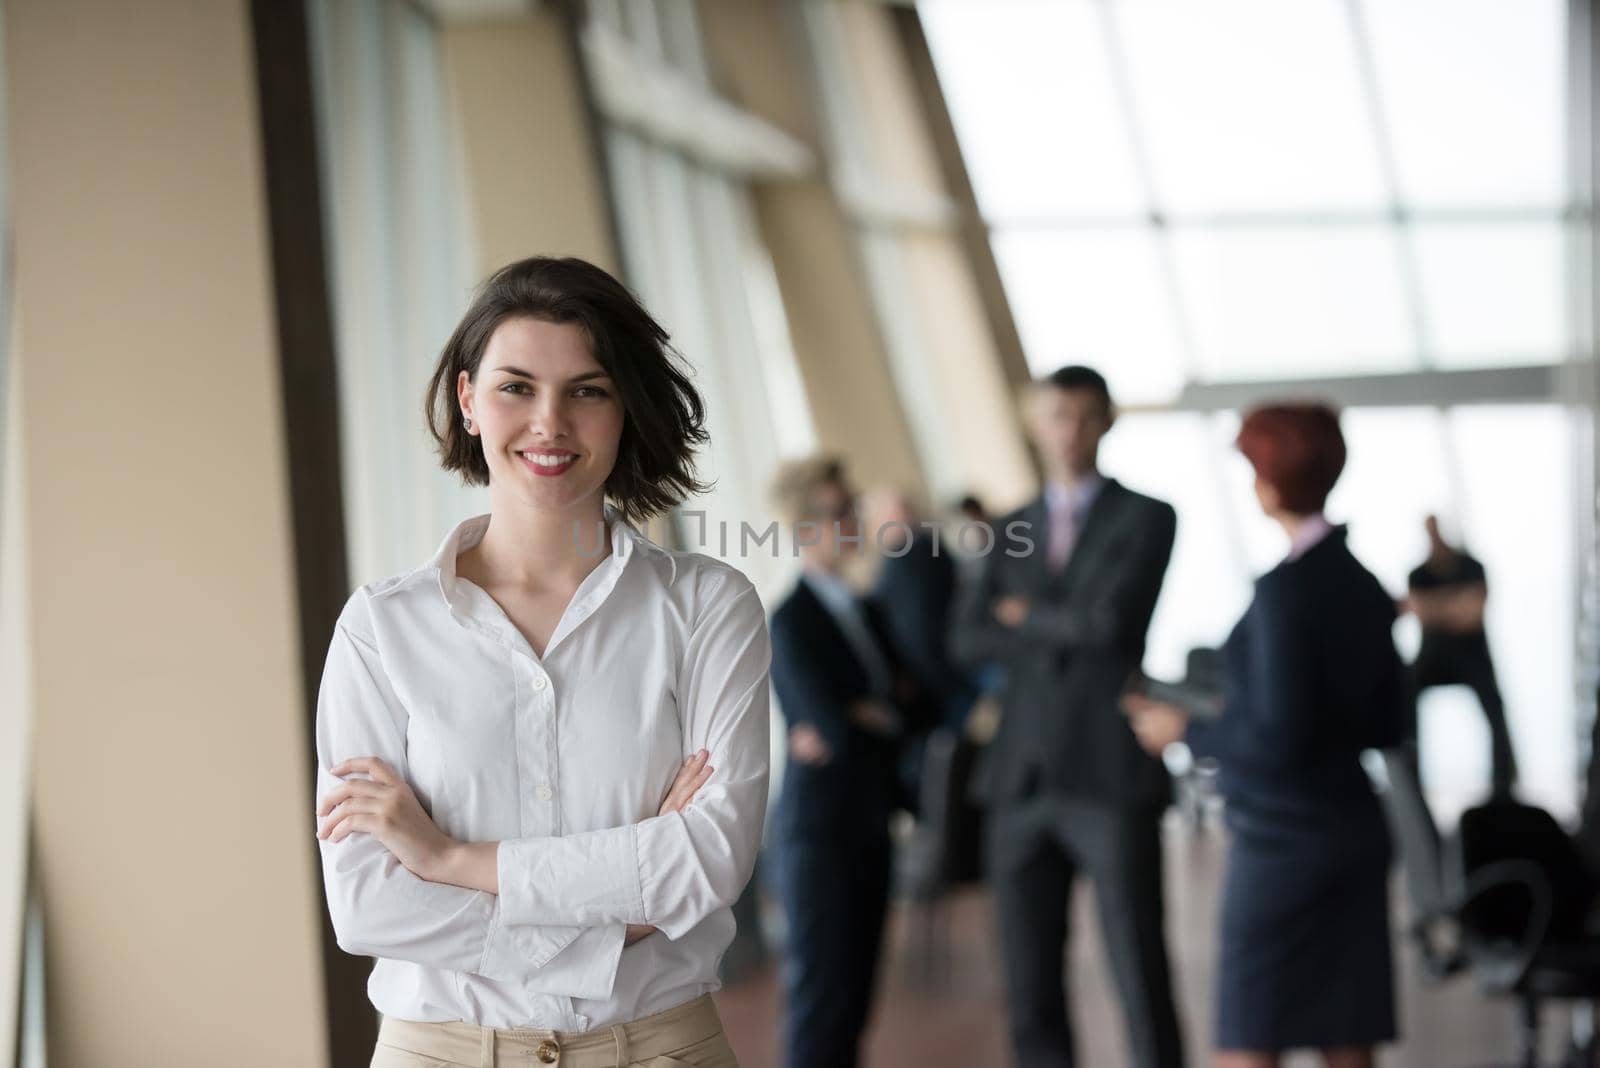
(1063, 532)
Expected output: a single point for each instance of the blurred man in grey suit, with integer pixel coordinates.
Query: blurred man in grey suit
(1067, 786)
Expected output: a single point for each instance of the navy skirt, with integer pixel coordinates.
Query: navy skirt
(1304, 955)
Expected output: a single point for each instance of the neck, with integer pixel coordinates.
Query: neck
(1293, 524)
(542, 547)
(1071, 480)
(820, 563)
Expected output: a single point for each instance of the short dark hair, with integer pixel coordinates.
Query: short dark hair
(1077, 376)
(664, 417)
(1298, 449)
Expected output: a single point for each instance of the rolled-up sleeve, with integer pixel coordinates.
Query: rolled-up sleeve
(378, 907)
(672, 871)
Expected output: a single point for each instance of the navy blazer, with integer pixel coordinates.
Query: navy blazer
(816, 676)
(1312, 679)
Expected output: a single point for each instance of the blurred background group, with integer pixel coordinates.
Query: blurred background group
(239, 231)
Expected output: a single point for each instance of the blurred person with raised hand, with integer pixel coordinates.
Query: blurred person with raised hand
(1447, 593)
(849, 702)
(542, 755)
(1065, 783)
(1311, 680)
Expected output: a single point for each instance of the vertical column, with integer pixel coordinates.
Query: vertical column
(171, 799)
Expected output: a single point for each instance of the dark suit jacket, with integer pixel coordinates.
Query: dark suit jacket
(914, 593)
(1062, 729)
(1312, 679)
(816, 676)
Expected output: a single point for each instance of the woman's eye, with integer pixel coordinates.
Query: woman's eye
(589, 391)
(514, 387)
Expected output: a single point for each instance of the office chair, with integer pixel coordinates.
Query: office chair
(1506, 899)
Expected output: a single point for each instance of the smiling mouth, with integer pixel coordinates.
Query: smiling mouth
(548, 464)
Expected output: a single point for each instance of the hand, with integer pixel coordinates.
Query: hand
(1011, 611)
(1155, 723)
(983, 721)
(695, 773)
(875, 717)
(807, 746)
(384, 806)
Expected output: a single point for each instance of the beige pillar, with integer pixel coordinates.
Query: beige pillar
(533, 181)
(972, 382)
(171, 786)
(752, 53)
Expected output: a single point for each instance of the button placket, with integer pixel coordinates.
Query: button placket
(550, 809)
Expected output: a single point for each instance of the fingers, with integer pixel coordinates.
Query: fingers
(348, 825)
(380, 770)
(355, 806)
(345, 791)
(699, 781)
(672, 801)
(693, 775)
(696, 771)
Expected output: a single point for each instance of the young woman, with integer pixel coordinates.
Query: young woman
(543, 753)
(1313, 679)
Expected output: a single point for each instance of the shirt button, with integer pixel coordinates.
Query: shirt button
(545, 793)
(540, 682)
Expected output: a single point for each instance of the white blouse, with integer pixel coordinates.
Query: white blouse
(564, 760)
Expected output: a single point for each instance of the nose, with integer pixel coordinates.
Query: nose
(550, 419)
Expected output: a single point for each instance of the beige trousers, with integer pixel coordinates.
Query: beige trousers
(688, 1036)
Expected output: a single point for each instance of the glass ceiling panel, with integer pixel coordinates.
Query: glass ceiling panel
(1251, 105)
(1281, 302)
(1493, 293)
(1029, 88)
(1473, 94)
(1094, 297)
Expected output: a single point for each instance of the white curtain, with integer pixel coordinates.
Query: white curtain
(400, 248)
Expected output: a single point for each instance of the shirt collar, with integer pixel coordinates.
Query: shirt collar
(1079, 496)
(470, 532)
(1313, 530)
(831, 590)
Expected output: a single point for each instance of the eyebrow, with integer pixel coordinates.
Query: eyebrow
(520, 373)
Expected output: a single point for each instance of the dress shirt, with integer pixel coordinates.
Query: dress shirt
(1066, 510)
(1313, 530)
(844, 608)
(564, 760)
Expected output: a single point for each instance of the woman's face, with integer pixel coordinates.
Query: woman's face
(547, 413)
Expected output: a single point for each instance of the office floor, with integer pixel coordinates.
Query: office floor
(932, 1013)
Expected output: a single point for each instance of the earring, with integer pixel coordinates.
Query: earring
(467, 420)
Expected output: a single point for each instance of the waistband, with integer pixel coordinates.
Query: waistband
(649, 1036)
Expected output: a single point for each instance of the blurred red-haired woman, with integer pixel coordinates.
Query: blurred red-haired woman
(1312, 680)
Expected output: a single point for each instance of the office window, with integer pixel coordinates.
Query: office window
(1271, 191)
(1327, 186)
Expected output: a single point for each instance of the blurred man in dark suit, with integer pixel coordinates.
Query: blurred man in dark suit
(1447, 594)
(1067, 786)
(849, 702)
